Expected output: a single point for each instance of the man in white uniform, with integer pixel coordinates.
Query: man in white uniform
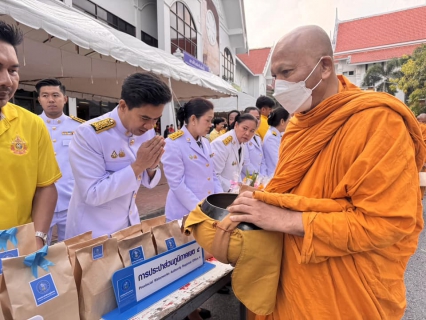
(52, 98)
(113, 154)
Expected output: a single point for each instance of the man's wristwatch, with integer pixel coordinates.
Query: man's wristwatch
(42, 236)
(154, 169)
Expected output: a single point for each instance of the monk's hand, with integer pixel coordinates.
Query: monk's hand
(266, 216)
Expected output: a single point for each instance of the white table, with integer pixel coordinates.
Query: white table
(180, 303)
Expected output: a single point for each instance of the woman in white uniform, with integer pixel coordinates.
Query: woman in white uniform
(187, 160)
(277, 120)
(228, 151)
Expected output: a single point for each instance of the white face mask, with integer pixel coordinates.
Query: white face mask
(294, 96)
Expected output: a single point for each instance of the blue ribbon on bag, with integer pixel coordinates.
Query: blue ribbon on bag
(37, 259)
(6, 235)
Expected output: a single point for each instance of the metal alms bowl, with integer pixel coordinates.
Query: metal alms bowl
(215, 206)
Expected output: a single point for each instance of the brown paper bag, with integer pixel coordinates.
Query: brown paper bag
(73, 248)
(168, 236)
(136, 248)
(97, 263)
(125, 233)
(77, 239)
(149, 223)
(25, 243)
(52, 295)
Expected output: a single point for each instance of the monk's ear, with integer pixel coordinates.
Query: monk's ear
(327, 67)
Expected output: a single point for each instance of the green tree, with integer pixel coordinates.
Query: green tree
(383, 76)
(413, 81)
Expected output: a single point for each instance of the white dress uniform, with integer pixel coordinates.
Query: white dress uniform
(254, 161)
(61, 131)
(271, 146)
(227, 161)
(189, 170)
(104, 195)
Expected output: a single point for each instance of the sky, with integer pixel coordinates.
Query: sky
(268, 20)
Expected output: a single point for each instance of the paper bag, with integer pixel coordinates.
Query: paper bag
(17, 241)
(73, 248)
(149, 223)
(168, 236)
(77, 239)
(42, 284)
(127, 232)
(97, 263)
(136, 248)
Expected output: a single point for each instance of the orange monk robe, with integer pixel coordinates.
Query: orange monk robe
(364, 149)
(423, 128)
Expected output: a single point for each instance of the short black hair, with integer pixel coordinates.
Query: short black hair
(197, 107)
(217, 121)
(140, 89)
(248, 109)
(275, 116)
(11, 34)
(264, 101)
(50, 83)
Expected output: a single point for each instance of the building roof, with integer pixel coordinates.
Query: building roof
(377, 55)
(390, 29)
(256, 59)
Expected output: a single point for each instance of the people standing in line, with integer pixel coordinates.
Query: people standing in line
(231, 118)
(346, 190)
(52, 98)
(218, 124)
(188, 160)
(113, 154)
(228, 151)
(29, 166)
(277, 121)
(265, 105)
(254, 161)
(166, 132)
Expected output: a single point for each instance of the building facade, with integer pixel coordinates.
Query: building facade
(361, 43)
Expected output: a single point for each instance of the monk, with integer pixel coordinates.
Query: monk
(345, 193)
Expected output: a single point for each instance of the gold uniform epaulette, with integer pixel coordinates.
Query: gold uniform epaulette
(274, 133)
(103, 125)
(176, 135)
(77, 119)
(227, 140)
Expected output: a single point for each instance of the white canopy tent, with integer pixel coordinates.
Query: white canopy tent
(91, 58)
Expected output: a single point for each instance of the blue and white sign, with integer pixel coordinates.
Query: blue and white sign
(193, 62)
(136, 255)
(43, 289)
(7, 254)
(98, 252)
(141, 285)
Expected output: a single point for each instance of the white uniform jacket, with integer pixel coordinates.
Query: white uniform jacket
(271, 146)
(254, 160)
(105, 189)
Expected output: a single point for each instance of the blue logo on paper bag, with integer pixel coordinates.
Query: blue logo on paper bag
(136, 255)
(43, 289)
(170, 243)
(7, 254)
(98, 252)
(126, 288)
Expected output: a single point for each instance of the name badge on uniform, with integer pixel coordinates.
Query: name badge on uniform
(212, 155)
(66, 142)
(67, 133)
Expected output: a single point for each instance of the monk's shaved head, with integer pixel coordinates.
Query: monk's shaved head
(306, 54)
(422, 117)
(310, 42)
